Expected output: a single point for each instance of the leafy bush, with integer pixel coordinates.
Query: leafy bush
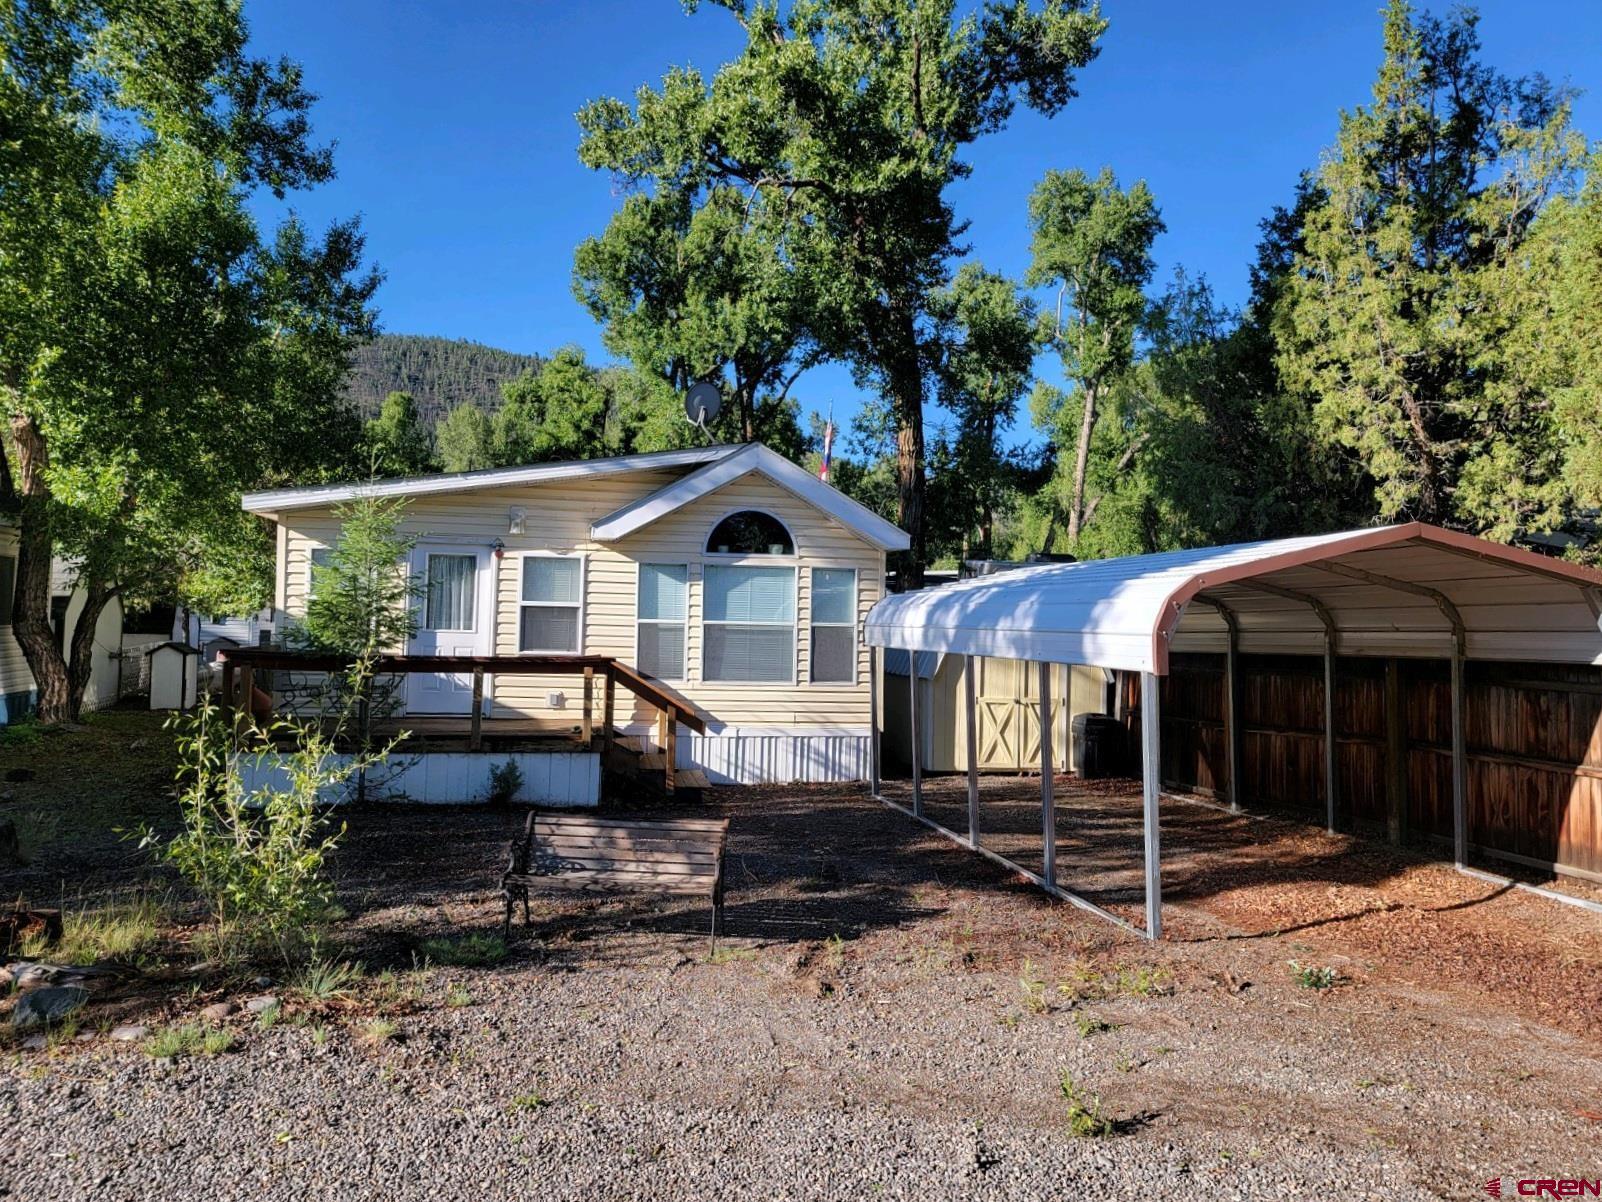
(505, 781)
(256, 854)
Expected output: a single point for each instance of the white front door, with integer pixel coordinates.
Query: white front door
(453, 618)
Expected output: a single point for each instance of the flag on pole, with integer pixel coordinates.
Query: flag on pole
(828, 447)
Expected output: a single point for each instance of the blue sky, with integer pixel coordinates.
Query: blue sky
(456, 139)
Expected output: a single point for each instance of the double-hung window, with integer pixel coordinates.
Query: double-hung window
(748, 624)
(662, 613)
(321, 558)
(550, 614)
(834, 625)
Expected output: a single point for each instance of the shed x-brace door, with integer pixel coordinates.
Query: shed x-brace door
(1007, 698)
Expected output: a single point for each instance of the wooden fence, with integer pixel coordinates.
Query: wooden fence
(1534, 736)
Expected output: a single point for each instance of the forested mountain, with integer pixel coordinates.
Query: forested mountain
(441, 373)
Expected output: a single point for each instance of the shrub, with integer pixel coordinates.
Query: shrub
(505, 781)
(256, 853)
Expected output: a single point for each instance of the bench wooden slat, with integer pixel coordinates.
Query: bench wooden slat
(714, 825)
(625, 840)
(609, 882)
(644, 855)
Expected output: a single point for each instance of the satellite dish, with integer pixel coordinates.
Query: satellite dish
(702, 403)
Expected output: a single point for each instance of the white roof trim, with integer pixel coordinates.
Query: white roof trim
(1130, 613)
(498, 477)
(753, 457)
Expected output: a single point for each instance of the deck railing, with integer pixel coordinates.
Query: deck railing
(240, 665)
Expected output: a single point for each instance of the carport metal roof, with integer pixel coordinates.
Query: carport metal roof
(1408, 590)
(1392, 591)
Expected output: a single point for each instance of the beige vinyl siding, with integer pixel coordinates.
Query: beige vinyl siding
(559, 517)
(14, 674)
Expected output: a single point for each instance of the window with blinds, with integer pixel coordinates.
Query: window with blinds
(748, 624)
(551, 610)
(834, 625)
(663, 607)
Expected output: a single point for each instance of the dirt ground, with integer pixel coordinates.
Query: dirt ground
(890, 1015)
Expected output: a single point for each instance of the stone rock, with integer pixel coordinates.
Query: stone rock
(257, 1004)
(48, 1005)
(129, 1032)
(217, 1011)
(263, 982)
(40, 975)
(35, 1043)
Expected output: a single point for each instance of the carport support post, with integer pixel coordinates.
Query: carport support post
(1329, 731)
(1151, 773)
(914, 735)
(1232, 732)
(874, 654)
(1048, 798)
(969, 666)
(1459, 762)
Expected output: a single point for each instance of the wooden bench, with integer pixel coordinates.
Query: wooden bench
(603, 855)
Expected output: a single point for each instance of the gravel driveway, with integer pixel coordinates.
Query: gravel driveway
(890, 1018)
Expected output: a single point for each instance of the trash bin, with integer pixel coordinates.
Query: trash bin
(1098, 745)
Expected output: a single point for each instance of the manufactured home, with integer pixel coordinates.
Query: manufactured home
(727, 576)
(117, 657)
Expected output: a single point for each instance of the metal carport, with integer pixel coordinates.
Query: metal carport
(1409, 590)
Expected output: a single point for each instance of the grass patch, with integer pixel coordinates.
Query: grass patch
(125, 930)
(269, 1017)
(456, 996)
(731, 955)
(527, 1103)
(478, 950)
(327, 980)
(1086, 1119)
(1033, 989)
(379, 1031)
(1313, 976)
(170, 1043)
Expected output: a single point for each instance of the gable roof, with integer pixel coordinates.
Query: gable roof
(273, 500)
(753, 457)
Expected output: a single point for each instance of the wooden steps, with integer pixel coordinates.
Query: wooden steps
(638, 767)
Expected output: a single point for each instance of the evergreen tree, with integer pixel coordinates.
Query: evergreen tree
(464, 440)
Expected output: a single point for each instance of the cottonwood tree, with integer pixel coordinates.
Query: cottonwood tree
(1092, 245)
(986, 341)
(842, 124)
(464, 440)
(157, 350)
(398, 441)
(1398, 312)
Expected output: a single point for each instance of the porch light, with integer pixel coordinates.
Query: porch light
(499, 548)
(516, 519)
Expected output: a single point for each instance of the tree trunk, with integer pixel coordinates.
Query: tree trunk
(1431, 489)
(1076, 511)
(904, 376)
(31, 613)
(81, 650)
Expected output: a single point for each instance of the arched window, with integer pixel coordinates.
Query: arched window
(750, 532)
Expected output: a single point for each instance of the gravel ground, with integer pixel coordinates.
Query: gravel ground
(891, 1017)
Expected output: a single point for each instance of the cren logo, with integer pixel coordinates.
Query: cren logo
(1494, 1187)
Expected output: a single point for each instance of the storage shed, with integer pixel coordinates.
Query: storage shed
(1409, 591)
(1007, 710)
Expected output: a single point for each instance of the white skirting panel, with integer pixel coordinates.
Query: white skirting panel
(736, 756)
(557, 778)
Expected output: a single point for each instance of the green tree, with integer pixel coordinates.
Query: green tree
(841, 124)
(362, 598)
(398, 440)
(1398, 315)
(157, 350)
(987, 349)
(559, 412)
(1092, 244)
(465, 440)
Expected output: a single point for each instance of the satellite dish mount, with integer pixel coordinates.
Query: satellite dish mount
(702, 403)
